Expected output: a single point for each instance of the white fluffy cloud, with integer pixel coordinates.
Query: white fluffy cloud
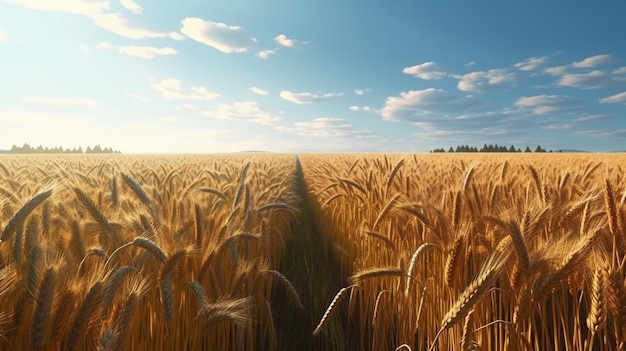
(282, 40)
(61, 102)
(531, 64)
(544, 104)
(426, 71)
(306, 97)
(485, 80)
(258, 91)
(220, 36)
(247, 111)
(593, 61)
(615, 99)
(171, 89)
(131, 6)
(420, 105)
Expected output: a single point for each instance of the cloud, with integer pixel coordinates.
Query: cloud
(470, 64)
(4, 37)
(80, 7)
(63, 102)
(307, 98)
(556, 71)
(531, 64)
(83, 48)
(426, 71)
(247, 111)
(593, 61)
(615, 99)
(171, 89)
(220, 36)
(97, 11)
(258, 91)
(419, 105)
(362, 108)
(544, 104)
(282, 40)
(621, 70)
(176, 36)
(328, 128)
(264, 54)
(590, 80)
(361, 91)
(115, 23)
(131, 6)
(484, 80)
(144, 52)
(138, 97)
(614, 133)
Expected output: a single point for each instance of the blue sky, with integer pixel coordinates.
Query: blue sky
(319, 76)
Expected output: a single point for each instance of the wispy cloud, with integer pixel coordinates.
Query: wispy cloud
(593, 61)
(264, 54)
(144, 52)
(171, 89)
(258, 91)
(131, 6)
(138, 97)
(590, 80)
(356, 108)
(247, 111)
(581, 74)
(597, 133)
(478, 81)
(306, 97)
(328, 128)
(62, 102)
(615, 99)
(97, 11)
(532, 63)
(361, 91)
(543, 104)
(426, 71)
(220, 36)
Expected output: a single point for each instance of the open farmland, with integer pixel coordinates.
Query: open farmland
(358, 252)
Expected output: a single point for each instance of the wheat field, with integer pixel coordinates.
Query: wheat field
(318, 252)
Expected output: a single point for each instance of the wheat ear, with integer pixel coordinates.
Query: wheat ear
(20, 216)
(331, 308)
(43, 305)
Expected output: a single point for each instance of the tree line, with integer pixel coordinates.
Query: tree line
(490, 148)
(27, 149)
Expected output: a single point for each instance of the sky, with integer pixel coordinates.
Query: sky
(312, 76)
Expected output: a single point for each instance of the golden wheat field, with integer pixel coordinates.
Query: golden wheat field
(316, 252)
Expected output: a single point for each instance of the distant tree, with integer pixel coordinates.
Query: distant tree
(451, 149)
(512, 149)
(527, 149)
